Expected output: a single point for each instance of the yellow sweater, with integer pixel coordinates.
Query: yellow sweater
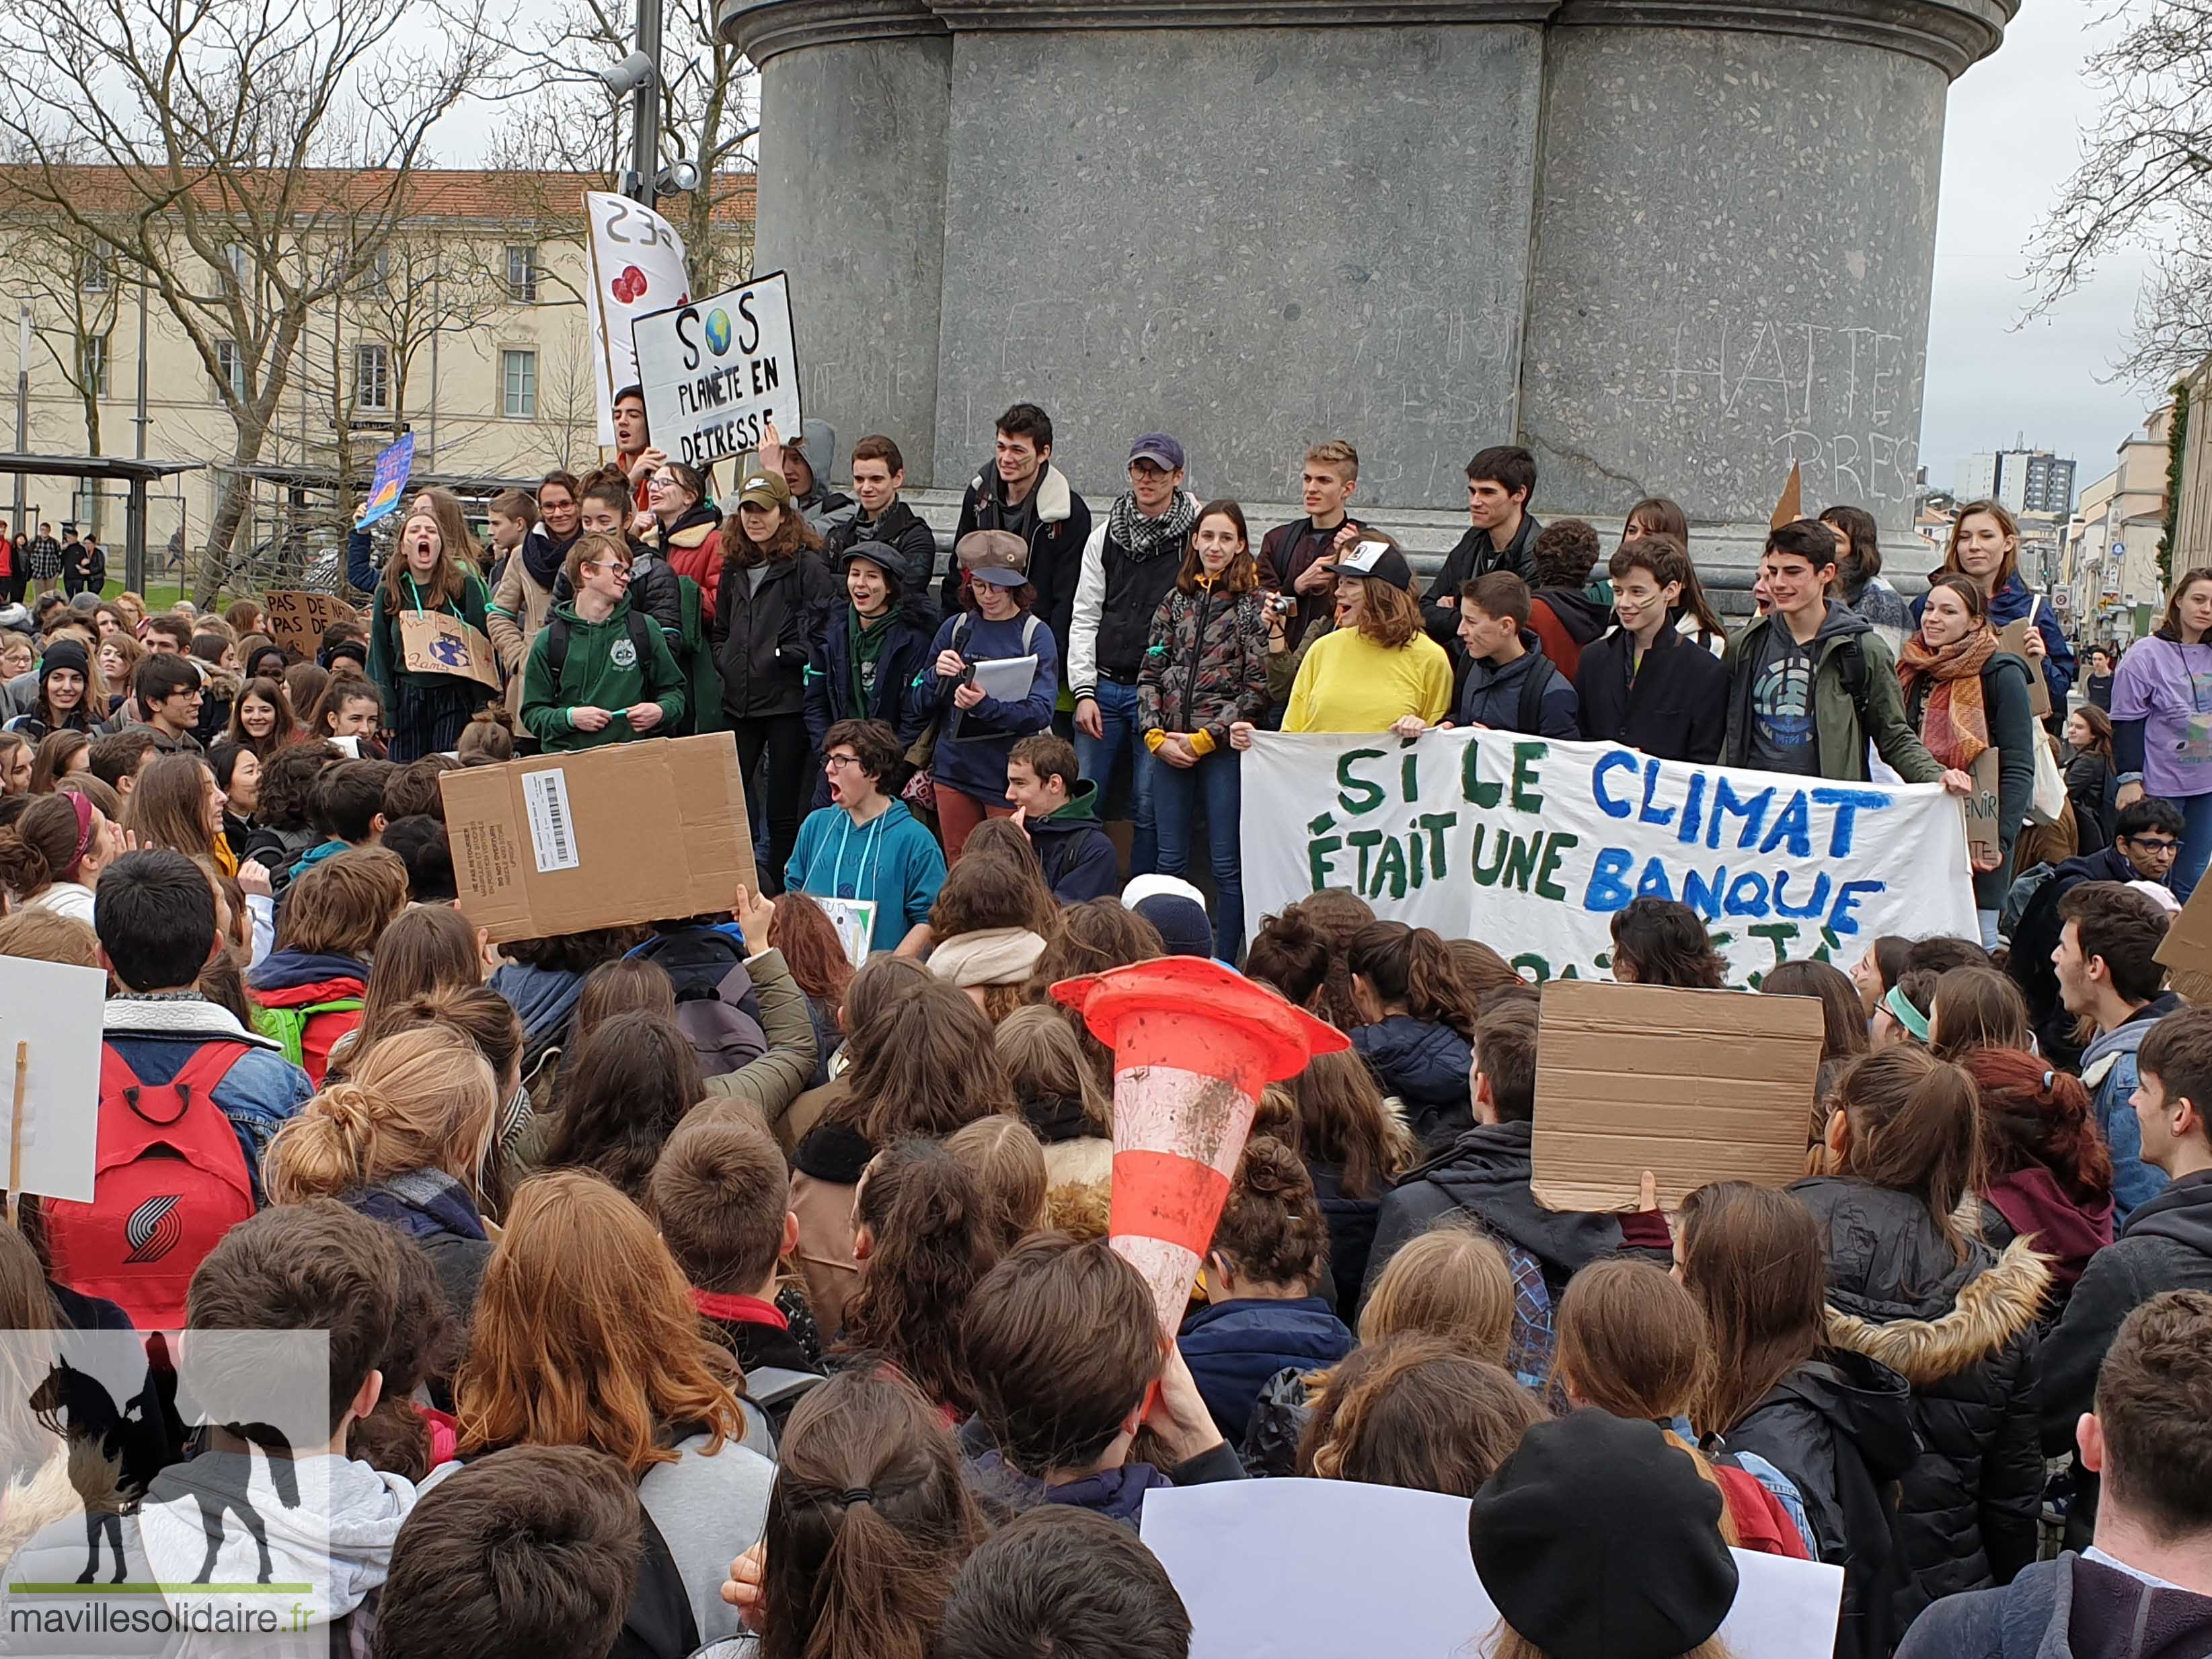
(1349, 683)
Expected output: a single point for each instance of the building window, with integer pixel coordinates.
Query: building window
(92, 358)
(230, 367)
(230, 275)
(372, 375)
(94, 276)
(522, 273)
(372, 273)
(518, 373)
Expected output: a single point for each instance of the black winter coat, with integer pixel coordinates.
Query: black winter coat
(1351, 1235)
(1424, 1064)
(901, 527)
(2166, 1245)
(1474, 554)
(1840, 1426)
(1485, 1173)
(763, 640)
(1677, 709)
(1963, 1334)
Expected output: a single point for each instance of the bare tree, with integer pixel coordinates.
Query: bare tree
(555, 108)
(70, 284)
(244, 157)
(2145, 181)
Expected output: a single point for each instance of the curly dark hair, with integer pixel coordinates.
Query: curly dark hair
(1659, 941)
(1271, 1230)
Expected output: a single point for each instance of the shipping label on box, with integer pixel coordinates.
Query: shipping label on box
(636, 832)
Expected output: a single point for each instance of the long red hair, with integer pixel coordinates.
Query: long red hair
(585, 1334)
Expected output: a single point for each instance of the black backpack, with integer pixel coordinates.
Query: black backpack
(1534, 684)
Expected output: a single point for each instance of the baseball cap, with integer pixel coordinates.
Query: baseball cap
(1377, 562)
(998, 557)
(764, 489)
(1162, 451)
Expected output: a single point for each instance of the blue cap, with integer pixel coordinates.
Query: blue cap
(1162, 451)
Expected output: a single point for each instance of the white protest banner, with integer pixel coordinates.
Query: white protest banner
(633, 264)
(715, 371)
(1530, 845)
(1385, 1570)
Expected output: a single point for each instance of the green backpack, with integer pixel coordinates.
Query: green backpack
(289, 1025)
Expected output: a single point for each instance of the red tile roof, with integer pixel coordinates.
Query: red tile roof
(432, 193)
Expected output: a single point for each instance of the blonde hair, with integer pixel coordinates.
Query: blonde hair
(1004, 1155)
(36, 934)
(416, 1100)
(1449, 1282)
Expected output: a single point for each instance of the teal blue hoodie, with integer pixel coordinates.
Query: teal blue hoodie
(893, 861)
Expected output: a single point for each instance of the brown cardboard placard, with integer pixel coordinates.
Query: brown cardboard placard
(1692, 1085)
(294, 619)
(2186, 950)
(432, 642)
(634, 832)
(1791, 505)
(2012, 637)
(1981, 807)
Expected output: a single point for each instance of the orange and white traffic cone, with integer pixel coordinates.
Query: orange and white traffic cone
(1194, 1044)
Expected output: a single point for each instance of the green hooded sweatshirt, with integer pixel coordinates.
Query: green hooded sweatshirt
(610, 665)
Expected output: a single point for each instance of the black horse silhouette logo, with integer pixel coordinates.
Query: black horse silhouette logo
(76, 1407)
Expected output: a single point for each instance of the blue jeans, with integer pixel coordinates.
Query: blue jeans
(1098, 757)
(2196, 845)
(1178, 792)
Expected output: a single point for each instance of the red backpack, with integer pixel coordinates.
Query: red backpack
(171, 1180)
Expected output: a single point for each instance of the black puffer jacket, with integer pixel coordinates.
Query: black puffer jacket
(1840, 1426)
(1424, 1064)
(764, 636)
(1962, 1335)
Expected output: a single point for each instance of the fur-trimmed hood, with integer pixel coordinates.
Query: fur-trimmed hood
(1898, 1292)
(1992, 1309)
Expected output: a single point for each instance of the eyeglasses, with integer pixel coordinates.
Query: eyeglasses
(838, 762)
(2153, 843)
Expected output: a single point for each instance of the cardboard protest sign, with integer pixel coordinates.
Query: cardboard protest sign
(1791, 506)
(1532, 844)
(433, 643)
(1385, 1570)
(1984, 837)
(633, 264)
(390, 482)
(2012, 637)
(714, 373)
(1692, 1085)
(50, 1015)
(2186, 951)
(295, 619)
(634, 832)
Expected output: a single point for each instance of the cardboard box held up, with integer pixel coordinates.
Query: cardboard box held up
(2186, 950)
(1692, 1085)
(634, 832)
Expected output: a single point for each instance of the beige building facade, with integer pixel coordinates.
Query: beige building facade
(469, 331)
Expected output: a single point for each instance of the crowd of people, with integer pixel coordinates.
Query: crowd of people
(744, 1279)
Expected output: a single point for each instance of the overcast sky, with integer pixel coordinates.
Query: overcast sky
(2011, 141)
